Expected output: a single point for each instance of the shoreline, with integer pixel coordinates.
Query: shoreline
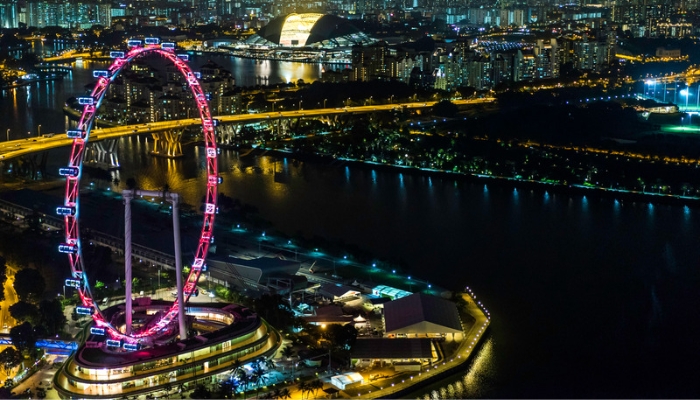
(412, 390)
(458, 359)
(572, 189)
(462, 357)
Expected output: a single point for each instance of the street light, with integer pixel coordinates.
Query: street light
(391, 99)
(301, 101)
(38, 128)
(685, 93)
(370, 100)
(8, 129)
(324, 103)
(348, 104)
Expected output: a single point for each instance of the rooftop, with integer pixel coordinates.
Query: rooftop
(420, 312)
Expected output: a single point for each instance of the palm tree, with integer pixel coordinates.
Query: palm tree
(243, 378)
(237, 364)
(288, 352)
(227, 389)
(258, 373)
(303, 387)
(269, 364)
(285, 394)
(315, 385)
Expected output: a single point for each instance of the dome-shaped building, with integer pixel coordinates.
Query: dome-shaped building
(309, 30)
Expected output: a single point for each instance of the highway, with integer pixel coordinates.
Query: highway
(16, 148)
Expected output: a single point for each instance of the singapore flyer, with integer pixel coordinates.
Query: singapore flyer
(162, 324)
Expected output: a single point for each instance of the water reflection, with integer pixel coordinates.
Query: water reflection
(472, 384)
(46, 99)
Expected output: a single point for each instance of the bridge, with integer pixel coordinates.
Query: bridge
(50, 344)
(51, 67)
(166, 134)
(681, 89)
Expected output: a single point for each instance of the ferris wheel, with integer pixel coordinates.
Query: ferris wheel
(71, 206)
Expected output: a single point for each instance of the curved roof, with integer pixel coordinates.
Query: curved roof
(299, 30)
(421, 313)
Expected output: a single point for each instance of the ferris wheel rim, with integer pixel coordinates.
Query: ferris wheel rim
(73, 172)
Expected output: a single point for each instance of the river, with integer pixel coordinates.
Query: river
(590, 297)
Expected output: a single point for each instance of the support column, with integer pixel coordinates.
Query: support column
(178, 266)
(128, 195)
(167, 144)
(173, 198)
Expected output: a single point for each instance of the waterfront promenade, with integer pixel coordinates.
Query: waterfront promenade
(402, 383)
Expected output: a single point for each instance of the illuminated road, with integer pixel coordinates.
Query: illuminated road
(10, 298)
(16, 148)
(6, 322)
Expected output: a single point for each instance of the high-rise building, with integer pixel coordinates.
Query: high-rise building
(369, 62)
(68, 14)
(9, 11)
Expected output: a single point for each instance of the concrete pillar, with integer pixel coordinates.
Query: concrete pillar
(173, 198)
(128, 195)
(178, 266)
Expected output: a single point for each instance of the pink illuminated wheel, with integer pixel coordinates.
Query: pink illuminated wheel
(73, 171)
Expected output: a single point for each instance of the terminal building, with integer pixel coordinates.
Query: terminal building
(422, 316)
(226, 333)
(261, 273)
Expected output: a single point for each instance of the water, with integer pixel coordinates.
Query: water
(46, 99)
(590, 297)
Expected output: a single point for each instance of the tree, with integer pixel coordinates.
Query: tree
(23, 337)
(341, 337)
(237, 364)
(303, 387)
(227, 389)
(3, 277)
(288, 352)
(24, 312)
(200, 392)
(9, 358)
(258, 376)
(243, 378)
(274, 309)
(29, 284)
(445, 108)
(315, 385)
(285, 394)
(268, 363)
(131, 183)
(51, 316)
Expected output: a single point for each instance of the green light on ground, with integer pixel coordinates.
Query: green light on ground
(686, 129)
